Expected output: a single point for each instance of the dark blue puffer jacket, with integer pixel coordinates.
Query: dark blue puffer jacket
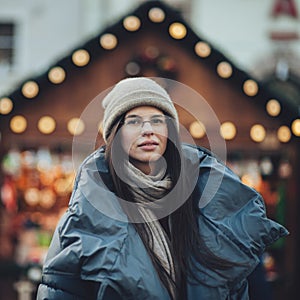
(95, 251)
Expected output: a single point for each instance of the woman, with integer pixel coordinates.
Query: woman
(151, 218)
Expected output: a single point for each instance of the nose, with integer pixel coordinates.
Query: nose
(147, 128)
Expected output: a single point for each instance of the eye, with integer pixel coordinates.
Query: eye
(134, 121)
(157, 121)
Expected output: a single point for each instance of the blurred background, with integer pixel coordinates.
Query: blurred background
(56, 57)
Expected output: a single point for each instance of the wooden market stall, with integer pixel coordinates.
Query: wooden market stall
(52, 121)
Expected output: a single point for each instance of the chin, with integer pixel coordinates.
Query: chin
(153, 157)
(147, 158)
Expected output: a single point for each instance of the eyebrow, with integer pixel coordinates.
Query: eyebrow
(137, 116)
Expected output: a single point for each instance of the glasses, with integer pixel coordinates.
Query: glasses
(137, 122)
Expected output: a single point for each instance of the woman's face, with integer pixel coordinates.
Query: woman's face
(144, 136)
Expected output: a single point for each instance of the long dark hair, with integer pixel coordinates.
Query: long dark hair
(187, 246)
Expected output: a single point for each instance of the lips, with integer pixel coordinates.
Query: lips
(148, 145)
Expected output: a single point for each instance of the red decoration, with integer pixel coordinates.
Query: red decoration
(285, 7)
(8, 195)
(283, 36)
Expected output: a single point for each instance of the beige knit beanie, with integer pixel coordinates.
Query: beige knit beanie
(130, 93)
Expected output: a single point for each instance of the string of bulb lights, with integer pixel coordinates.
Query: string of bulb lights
(109, 41)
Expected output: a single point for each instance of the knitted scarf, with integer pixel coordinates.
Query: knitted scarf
(145, 189)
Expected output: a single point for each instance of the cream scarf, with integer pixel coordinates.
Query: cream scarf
(148, 188)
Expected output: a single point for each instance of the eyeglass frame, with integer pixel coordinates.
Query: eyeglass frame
(140, 125)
